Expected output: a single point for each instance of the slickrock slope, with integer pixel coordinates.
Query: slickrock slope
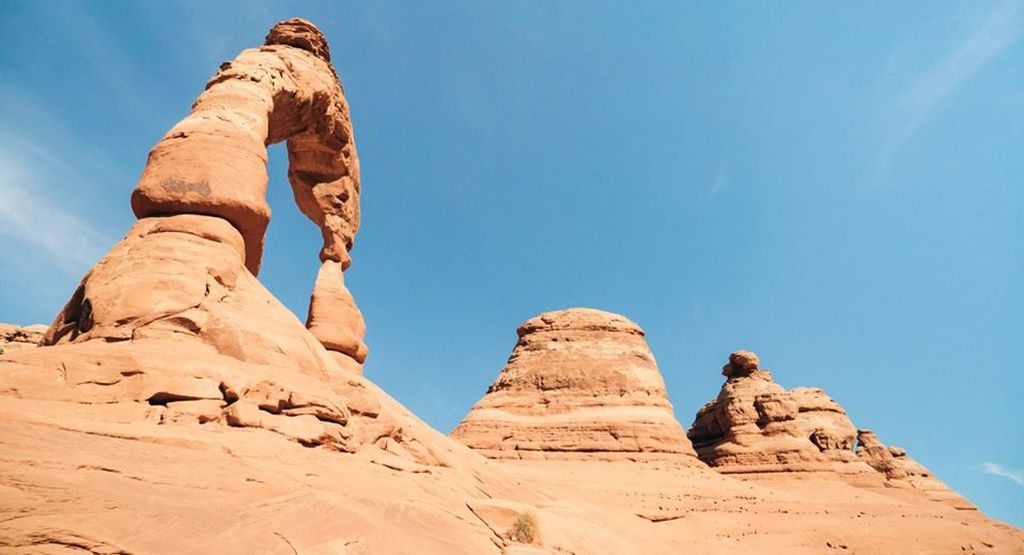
(175, 406)
(757, 426)
(580, 383)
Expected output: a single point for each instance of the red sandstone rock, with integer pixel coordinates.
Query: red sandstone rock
(580, 383)
(14, 338)
(902, 470)
(214, 161)
(335, 319)
(755, 425)
(176, 406)
(201, 196)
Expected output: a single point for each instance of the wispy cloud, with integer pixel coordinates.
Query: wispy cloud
(1008, 473)
(995, 33)
(718, 184)
(32, 217)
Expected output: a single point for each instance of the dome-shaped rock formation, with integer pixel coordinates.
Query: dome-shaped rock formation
(580, 383)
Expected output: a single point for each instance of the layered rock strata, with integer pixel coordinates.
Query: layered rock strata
(14, 338)
(580, 383)
(757, 426)
(903, 471)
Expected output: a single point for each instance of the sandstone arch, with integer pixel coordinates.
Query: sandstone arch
(210, 170)
(214, 161)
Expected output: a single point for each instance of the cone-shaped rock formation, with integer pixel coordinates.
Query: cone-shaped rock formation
(580, 383)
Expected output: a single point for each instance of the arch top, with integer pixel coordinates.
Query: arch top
(301, 34)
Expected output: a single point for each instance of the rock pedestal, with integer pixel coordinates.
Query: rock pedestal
(580, 383)
(335, 319)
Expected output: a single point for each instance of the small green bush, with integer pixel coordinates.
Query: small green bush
(524, 529)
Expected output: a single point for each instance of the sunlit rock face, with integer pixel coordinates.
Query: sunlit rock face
(173, 326)
(757, 426)
(14, 337)
(188, 266)
(175, 406)
(580, 383)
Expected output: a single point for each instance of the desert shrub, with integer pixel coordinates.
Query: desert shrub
(524, 529)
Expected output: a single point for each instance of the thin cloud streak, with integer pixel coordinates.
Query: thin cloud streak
(718, 184)
(996, 34)
(1008, 473)
(32, 219)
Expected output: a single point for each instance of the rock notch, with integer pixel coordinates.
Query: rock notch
(580, 383)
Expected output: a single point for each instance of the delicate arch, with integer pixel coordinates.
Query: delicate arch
(214, 162)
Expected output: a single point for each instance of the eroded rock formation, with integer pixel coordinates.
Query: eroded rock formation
(202, 210)
(903, 471)
(176, 406)
(757, 426)
(580, 383)
(14, 338)
(173, 327)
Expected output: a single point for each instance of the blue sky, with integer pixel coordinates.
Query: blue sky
(837, 187)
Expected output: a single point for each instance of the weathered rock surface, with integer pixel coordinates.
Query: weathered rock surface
(755, 425)
(335, 320)
(173, 325)
(214, 163)
(903, 471)
(580, 383)
(175, 406)
(15, 338)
